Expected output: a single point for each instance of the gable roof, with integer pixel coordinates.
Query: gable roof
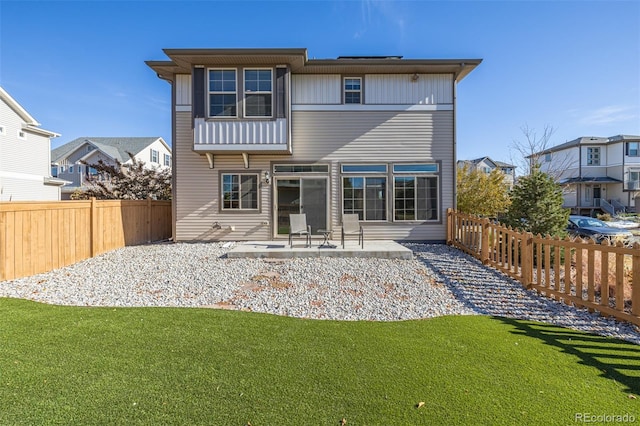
(31, 123)
(115, 147)
(499, 164)
(588, 140)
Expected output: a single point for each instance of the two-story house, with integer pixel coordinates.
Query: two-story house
(487, 165)
(598, 173)
(24, 155)
(262, 133)
(68, 160)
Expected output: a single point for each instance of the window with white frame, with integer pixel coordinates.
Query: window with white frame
(258, 92)
(222, 93)
(633, 181)
(415, 192)
(167, 160)
(633, 149)
(70, 169)
(154, 156)
(352, 90)
(593, 156)
(547, 157)
(22, 134)
(240, 191)
(3, 130)
(364, 193)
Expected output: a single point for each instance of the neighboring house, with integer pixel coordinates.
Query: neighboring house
(24, 155)
(487, 165)
(598, 173)
(67, 160)
(262, 133)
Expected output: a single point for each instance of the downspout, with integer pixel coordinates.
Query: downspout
(174, 210)
(455, 137)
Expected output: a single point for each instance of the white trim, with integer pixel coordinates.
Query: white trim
(239, 208)
(415, 193)
(23, 176)
(244, 92)
(368, 107)
(240, 147)
(222, 92)
(183, 108)
(345, 91)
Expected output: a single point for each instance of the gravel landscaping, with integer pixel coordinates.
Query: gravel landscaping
(438, 281)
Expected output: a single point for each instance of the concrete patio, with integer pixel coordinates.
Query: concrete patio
(279, 249)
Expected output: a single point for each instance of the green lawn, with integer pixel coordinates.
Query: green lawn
(66, 365)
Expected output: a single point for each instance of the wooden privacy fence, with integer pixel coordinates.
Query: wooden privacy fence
(37, 237)
(600, 277)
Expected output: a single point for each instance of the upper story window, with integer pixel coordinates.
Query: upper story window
(633, 149)
(3, 130)
(167, 160)
(154, 156)
(258, 92)
(222, 93)
(353, 90)
(22, 134)
(547, 158)
(593, 156)
(54, 171)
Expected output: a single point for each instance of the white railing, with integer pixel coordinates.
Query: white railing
(240, 134)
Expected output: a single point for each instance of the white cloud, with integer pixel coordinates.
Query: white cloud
(606, 115)
(375, 13)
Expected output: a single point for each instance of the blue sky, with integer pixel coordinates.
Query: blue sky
(78, 66)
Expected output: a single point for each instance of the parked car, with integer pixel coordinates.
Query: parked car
(589, 227)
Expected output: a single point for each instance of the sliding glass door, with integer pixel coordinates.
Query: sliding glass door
(306, 195)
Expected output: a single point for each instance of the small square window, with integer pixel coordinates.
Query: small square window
(3, 130)
(22, 134)
(353, 90)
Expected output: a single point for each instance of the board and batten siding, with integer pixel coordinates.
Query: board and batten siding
(379, 89)
(316, 89)
(401, 89)
(329, 137)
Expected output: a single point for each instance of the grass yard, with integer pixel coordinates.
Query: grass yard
(69, 365)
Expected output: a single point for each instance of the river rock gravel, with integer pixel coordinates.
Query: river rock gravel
(439, 280)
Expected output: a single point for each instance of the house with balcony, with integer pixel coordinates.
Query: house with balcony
(597, 173)
(72, 161)
(259, 134)
(487, 165)
(24, 155)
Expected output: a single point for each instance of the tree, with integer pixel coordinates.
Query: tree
(531, 150)
(536, 205)
(126, 182)
(480, 193)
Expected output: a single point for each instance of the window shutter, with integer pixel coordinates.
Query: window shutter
(280, 92)
(198, 93)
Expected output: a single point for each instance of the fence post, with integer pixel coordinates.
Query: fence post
(149, 219)
(484, 241)
(635, 282)
(94, 227)
(449, 226)
(526, 260)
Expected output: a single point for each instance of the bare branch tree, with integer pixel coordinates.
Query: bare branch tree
(530, 152)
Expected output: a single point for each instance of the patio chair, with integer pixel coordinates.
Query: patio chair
(298, 226)
(351, 226)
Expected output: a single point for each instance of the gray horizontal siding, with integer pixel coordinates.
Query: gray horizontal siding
(329, 137)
